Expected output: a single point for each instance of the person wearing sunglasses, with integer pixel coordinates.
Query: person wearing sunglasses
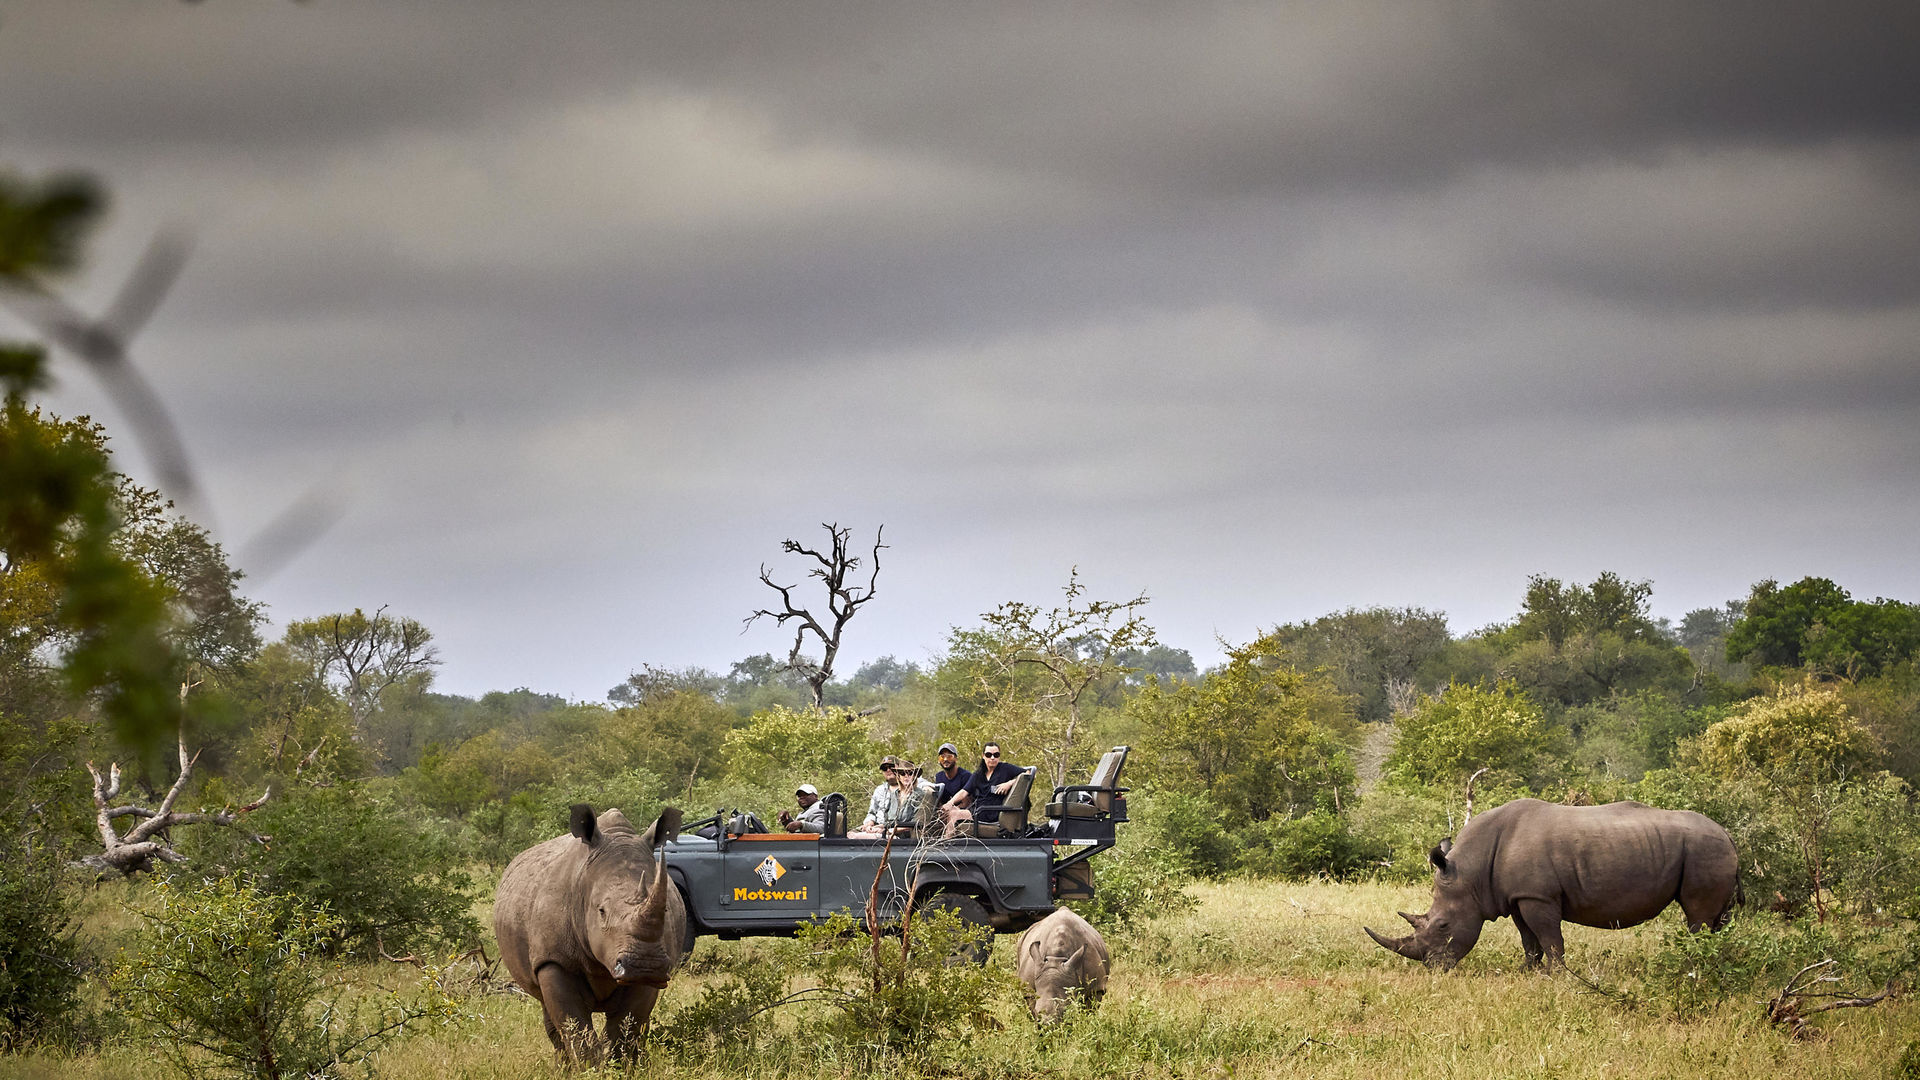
(884, 803)
(984, 793)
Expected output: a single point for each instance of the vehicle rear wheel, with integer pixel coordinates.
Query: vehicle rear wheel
(972, 912)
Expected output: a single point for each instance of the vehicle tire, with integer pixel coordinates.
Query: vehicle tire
(972, 912)
(693, 932)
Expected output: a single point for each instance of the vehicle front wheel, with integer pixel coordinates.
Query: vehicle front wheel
(970, 911)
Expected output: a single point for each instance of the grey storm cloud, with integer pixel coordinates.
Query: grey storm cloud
(1265, 308)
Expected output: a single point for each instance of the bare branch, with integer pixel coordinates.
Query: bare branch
(843, 601)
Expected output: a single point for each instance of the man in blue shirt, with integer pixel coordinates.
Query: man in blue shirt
(983, 794)
(950, 777)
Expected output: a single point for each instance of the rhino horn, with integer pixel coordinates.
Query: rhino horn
(1418, 922)
(653, 916)
(1402, 946)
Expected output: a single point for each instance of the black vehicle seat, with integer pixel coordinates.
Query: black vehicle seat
(1093, 799)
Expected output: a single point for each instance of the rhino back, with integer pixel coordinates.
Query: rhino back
(1612, 865)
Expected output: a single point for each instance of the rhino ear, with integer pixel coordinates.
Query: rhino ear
(583, 825)
(1073, 962)
(664, 828)
(1438, 857)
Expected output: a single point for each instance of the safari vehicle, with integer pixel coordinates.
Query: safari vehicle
(745, 881)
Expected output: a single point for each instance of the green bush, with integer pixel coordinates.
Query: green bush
(1403, 826)
(905, 993)
(1318, 844)
(391, 883)
(1191, 832)
(39, 959)
(1135, 882)
(233, 981)
(1689, 974)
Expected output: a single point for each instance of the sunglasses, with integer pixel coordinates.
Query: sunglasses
(995, 754)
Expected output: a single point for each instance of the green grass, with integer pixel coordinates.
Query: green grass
(1262, 980)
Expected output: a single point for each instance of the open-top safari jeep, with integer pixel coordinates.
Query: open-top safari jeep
(1006, 874)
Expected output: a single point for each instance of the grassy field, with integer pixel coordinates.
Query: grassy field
(1263, 980)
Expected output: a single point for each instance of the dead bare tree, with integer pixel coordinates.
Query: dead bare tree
(1468, 816)
(843, 600)
(1789, 1007)
(148, 840)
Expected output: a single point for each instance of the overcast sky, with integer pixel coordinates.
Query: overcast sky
(575, 310)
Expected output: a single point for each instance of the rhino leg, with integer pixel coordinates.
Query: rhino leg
(1529, 941)
(1540, 920)
(627, 1013)
(568, 1013)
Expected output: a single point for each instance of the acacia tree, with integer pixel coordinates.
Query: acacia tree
(365, 656)
(1042, 665)
(843, 600)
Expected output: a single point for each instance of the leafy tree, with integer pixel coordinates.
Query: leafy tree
(1370, 654)
(788, 746)
(1162, 662)
(886, 673)
(63, 578)
(677, 736)
(1256, 736)
(1468, 728)
(39, 957)
(651, 683)
(1774, 629)
(489, 767)
(301, 730)
(1801, 728)
(365, 657)
(1863, 639)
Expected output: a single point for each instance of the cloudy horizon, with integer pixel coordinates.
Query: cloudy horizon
(1264, 310)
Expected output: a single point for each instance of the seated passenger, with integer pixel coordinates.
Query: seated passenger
(950, 778)
(880, 804)
(812, 817)
(900, 811)
(986, 791)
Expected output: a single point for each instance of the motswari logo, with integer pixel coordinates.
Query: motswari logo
(770, 870)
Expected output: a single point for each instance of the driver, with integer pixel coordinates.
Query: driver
(812, 817)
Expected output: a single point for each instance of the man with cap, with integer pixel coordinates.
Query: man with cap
(812, 817)
(951, 779)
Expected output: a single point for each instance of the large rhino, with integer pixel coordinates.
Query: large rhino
(1059, 956)
(1607, 866)
(589, 922)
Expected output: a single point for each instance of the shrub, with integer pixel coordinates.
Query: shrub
(1402, 827)
(1318, 844)
(1191, 832)
(390, 883)
(1448, 738)
(231, 980)
(903, 993)
(1135, 882)
(39, 959)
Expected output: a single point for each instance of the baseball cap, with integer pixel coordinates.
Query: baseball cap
(806, 789)
(889, 761)
(948, 748)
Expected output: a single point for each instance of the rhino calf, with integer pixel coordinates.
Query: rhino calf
(1543, 863)
(1059, 956)
(588, 922)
